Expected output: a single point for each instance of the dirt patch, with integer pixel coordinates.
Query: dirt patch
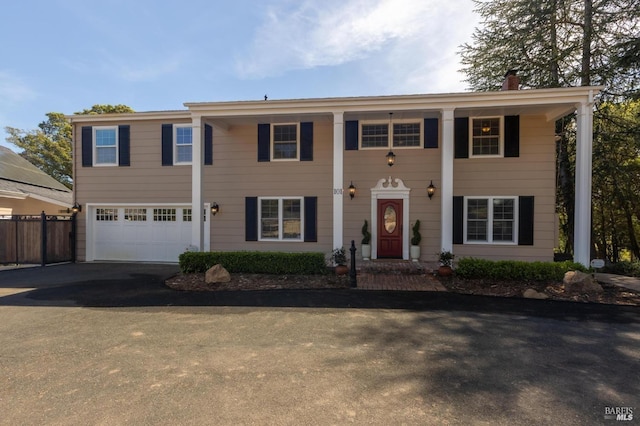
(251, 282)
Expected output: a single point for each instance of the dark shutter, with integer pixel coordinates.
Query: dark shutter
(208, 145)
(461, 137)
(87, 146)
(525, 221)
(512, 136)
(430, 132)
(123, 146)
(458, 220)
(264, 140)
(311, 219)
(351, 135)
(306, 141)
(251, 219)
(167, 144)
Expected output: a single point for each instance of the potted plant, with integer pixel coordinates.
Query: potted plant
(366, 240)
(445, 258)
(415, 242)
(339, 259)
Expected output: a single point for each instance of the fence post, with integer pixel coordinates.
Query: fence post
(353, 281)
(43, 218)
(15, 217)
(74, 217)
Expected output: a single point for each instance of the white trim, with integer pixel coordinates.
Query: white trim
(338, 176)
(272, 148)
(500, 153)
(490, 200)
(197, 154)
(446, 181)
(280, 220)
(94, 148)
(386, 190)
(390, 145)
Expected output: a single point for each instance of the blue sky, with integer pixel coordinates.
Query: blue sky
(67, 55)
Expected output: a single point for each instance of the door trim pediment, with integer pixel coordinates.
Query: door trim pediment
(391, 189)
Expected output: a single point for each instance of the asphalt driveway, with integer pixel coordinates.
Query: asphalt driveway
(109, 344)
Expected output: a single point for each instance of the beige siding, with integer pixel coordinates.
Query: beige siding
(30, 206)
(237, 174)
(533, 173)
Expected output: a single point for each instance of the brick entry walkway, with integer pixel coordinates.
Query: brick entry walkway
(400, 275)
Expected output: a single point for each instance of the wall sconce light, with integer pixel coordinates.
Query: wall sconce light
(215, 208)
(431, 189)
(77, 208)
(391, 158)
(352, 190)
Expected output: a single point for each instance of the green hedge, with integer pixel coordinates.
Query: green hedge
(631, 269)
(511, 270)
(255, 262)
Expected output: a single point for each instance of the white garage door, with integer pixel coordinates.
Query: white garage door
(141, 233)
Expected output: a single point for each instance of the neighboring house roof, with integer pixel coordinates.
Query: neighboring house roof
(21, 179)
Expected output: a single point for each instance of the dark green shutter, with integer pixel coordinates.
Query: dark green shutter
(251, 218)
(458, 220)
(311, 219)
(87, 146)
(351, 135)
(123, 146)
(208, 145)
(461, 137)
(430, 132)
(264, 141)
(167, 144)
(512, 136)
(306, 141)
(525, 220)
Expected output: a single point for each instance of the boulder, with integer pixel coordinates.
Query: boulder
(532, 294)
(217, 274)
(576, 282)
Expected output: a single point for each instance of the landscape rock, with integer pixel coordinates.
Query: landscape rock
(576, 282)
(532, 294)
(217, 274)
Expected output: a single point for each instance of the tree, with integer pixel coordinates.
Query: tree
(49, 146)
(557, 43)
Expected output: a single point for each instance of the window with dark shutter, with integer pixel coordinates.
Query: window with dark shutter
(208, 145)
(431, 132)
(458, 220)
(306, 141)
(251, 218)
(512, 136)
(264, 141)
(123, 146)
(525, 220)
(461, 137)
(87, 146)
(351, 135)
(310, 219)
(167, 144)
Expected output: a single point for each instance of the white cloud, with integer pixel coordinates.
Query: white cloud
(14, 90)
(328, 33)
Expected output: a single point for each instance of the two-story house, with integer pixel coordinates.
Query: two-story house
(279, 175)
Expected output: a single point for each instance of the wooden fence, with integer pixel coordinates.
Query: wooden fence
(37, 239)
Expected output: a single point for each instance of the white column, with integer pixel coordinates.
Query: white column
(197, 217)
(584, 150)
(446, 181)
(338, 178)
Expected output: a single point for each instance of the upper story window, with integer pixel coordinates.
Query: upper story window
(183, 143)
(280, 219)
(490, 220)
(486, 138)
(105, 146)
(405, 135)
(285, 142)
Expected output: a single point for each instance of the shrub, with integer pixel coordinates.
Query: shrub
(512, 270)
(415, 240)
(255, 262)
(366, 235)
(631, 269)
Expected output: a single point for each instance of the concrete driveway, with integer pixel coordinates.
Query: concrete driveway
(109, 344)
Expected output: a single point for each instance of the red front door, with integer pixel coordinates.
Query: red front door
(390, 229)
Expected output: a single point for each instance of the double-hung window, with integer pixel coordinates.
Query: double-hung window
(490, 220)
(404, 135)
(183, 143)
(105, 146)
(280, 219)
(285, 142)
(486, 137)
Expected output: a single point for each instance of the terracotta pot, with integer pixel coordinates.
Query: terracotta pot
(445, 271)
(341, 270)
